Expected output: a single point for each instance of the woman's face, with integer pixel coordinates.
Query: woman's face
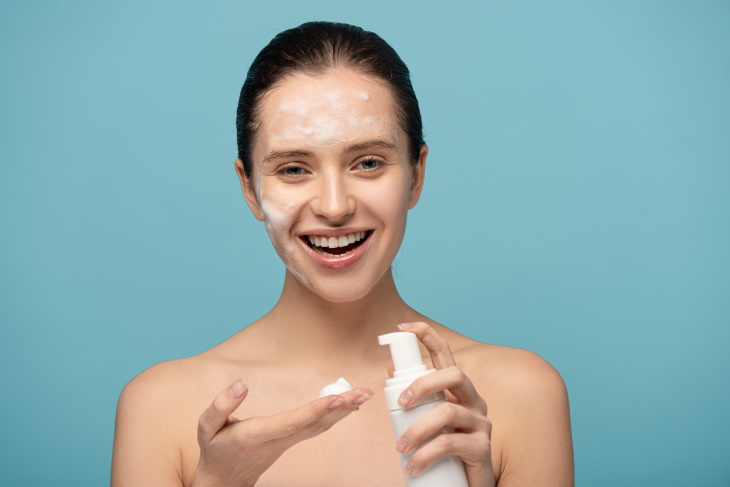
(332, 180)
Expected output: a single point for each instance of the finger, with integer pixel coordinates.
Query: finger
(437, 347)
(216, 416)
(391, 369)
(313, 418)
(470, 447)
(447, 415)
(452, 379)
(339, 409)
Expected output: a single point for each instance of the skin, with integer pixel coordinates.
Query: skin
(244, 412)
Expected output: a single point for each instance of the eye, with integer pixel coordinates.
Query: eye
(369, 164)
(291, 172)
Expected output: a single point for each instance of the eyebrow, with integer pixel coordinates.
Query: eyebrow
(275, 154)
(370, 144)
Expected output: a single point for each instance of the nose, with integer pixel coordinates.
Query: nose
(334, 201)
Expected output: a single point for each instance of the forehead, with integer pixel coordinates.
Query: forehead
(337, 107)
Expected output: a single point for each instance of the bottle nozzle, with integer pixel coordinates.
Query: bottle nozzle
(404, 350)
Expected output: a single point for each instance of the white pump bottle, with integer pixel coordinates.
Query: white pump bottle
(408, 366)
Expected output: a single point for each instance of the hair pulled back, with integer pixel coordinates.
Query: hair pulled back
(313, 48)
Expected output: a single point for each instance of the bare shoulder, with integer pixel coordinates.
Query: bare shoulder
(527, 403)
(528, 406)
(159, 380)
(513, 374)
(174, 391)
(185, 379)
(524, 374)
(156, 410)
(158, 397)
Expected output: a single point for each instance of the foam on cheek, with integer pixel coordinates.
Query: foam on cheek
(279, 215)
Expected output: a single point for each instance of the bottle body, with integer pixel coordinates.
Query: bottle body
(447, 471)
(408, 366)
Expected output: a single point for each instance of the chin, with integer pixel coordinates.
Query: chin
(340, 290)
(342, 298)
(342, 294)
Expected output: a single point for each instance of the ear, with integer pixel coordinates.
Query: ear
(249, 192)
(419, 173)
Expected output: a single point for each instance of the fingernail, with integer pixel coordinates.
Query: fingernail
(406, 326)
(410, 467)
(236, 389)
(405, 398)
(336, 403)
(402, 445)
(361, 399)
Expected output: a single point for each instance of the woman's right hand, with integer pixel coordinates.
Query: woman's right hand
(237, 452)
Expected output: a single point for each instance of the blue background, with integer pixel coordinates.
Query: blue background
(576, 205)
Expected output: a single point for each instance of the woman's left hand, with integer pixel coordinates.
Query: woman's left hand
(465, 412)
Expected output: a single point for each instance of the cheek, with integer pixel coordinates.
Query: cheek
(279, 214)
(279, 210)
(389, 198)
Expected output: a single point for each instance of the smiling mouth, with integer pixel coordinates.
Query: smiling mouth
(336, 246)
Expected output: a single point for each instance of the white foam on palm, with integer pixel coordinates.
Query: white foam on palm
(337, 387)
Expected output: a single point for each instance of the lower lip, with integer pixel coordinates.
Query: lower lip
(340, 261)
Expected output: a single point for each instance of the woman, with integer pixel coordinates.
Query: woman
(331, 158)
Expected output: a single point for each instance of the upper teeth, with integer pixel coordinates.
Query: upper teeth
(335, 242)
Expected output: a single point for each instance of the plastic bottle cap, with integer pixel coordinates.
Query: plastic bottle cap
(404, 351)
(407, 367)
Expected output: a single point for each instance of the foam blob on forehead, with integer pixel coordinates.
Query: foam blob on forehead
(309, 121)
(339, 106)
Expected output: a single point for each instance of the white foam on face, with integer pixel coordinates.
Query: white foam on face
(278, 212)
(279, 215)
(333, 117)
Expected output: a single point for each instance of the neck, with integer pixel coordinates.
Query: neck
(317, 332)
